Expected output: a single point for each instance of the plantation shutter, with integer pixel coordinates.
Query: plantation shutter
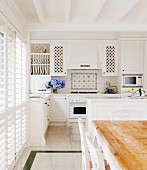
(11, 69)
(18, 71)
(11, 139)
(18, 131)
(2, 142)
(2, 69)
(24, 130)
(24, 74)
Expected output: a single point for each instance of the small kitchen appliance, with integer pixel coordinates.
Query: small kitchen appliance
(132, 80)
(140, 94)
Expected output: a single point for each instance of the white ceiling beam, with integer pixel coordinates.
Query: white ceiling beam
(142, 16)
(67, 10)
(125, 9)
(39, 10)
(96, 9)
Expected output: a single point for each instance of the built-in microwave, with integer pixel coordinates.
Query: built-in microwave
(133, 80)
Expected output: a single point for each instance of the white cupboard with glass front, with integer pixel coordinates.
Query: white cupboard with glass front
(110, 58)
(58, 59)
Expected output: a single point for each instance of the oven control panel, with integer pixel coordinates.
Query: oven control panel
(76, 100)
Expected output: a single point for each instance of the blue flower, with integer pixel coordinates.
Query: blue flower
(55, 83)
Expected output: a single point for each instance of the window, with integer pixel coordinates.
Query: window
(13, 96)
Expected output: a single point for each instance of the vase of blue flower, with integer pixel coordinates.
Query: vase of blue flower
(54, 84)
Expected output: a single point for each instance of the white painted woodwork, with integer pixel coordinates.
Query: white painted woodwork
(38, 121)
(39, 10)
(110, 59)
(67, 10)
(132, 55)
(125, 8)
(145, 69)
(99, 109)
(97, 6)
(58, 59)
(83, 55)
(58, 108)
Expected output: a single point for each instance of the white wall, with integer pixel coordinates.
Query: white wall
(10, 10)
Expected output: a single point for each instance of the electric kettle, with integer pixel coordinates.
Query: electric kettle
(140, 94)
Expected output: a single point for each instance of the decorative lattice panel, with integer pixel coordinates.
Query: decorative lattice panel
(84, 82)
(110, 59)
(58, 59)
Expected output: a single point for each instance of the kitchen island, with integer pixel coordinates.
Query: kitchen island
(99, 108)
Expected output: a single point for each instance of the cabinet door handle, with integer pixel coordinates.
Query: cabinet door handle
(45, 103)
(48, 105)
(65, 98)
(65, 73)
(123, 70)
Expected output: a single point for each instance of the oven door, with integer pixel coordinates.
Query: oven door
(77, 110)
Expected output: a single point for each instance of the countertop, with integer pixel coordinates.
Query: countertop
(125, 143)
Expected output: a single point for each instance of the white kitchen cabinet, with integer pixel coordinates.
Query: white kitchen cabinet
(58, 59)
(58, 108)
(83, 55)
(40, 57)
(132, 55)
(38, 121)
(99, 109)
(145, 69)
(110, 59)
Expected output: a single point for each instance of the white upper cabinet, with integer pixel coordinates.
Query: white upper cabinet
(83, 55)
(132, 55)
(58, 59)
(110, 59)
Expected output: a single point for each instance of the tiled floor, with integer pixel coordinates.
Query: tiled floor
(57, 139)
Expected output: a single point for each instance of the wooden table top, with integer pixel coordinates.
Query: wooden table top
(127, 140)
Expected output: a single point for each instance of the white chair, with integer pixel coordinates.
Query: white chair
(85, 152)
(97, 157)
(125, 115)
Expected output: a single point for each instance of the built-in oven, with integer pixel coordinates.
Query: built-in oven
(77, 108)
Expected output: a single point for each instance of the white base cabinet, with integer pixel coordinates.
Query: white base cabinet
(38, 121)
(58, 108)
(99, 109)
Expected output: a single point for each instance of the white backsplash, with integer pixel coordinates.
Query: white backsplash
(101, 80)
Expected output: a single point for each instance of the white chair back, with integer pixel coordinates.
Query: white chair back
(126, 115)
(96, 155)
(85, 152)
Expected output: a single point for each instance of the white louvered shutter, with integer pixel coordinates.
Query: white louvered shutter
(2, 142)
(24, 125)
(24, 73)
(11, 139)
(11, 69)
(2, 68)
(18, 71)
(18, 131)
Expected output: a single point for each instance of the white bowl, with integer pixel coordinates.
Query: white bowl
(128, 94)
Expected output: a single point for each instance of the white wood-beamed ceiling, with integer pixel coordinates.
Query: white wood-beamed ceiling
(84, 12)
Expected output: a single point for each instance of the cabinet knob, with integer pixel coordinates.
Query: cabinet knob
(65, 73)
(48, 105)
(123, 70)
(103, 72)
(65, 98)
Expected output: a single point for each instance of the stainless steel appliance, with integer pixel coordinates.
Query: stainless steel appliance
(77, 107)
(132, 80)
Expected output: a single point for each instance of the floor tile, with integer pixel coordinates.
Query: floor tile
(57, 139)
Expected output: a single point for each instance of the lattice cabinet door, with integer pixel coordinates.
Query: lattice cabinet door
(58, 59)
(110, 59)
